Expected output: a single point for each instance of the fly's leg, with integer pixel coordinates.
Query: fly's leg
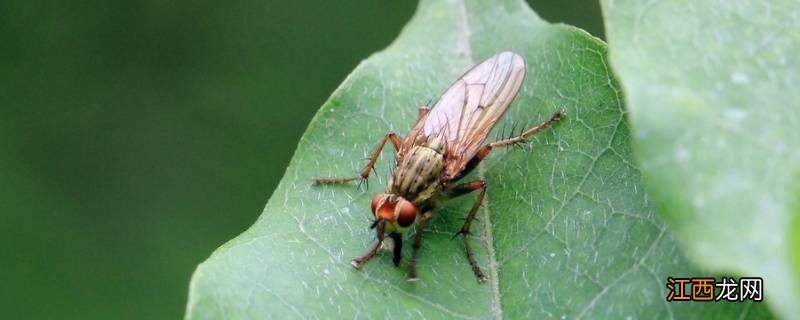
(360, 261)
(527, 133)
(479, 184)
(412, 264)
(423, 111)
(485, 150)
(391, 136)
(456, 191)
(398, 248)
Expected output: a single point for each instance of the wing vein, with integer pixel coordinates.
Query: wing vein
(469, 109)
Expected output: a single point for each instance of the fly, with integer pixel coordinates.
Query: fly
(445, 144)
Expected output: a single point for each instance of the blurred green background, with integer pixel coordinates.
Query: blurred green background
(137, 137)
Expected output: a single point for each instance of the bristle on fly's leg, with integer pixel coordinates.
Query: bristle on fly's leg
(522, 142)
(363, 182)
(502, 132)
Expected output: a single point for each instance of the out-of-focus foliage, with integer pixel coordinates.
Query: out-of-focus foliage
(713, 97)
(137, 136)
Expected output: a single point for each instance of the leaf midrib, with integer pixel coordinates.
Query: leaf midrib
(462, 21)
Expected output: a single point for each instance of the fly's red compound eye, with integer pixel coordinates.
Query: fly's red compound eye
(408, 213)
(375, 200)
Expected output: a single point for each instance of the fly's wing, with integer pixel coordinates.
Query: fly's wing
(470, 107)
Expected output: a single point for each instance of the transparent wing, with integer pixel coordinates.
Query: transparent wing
(470, 107)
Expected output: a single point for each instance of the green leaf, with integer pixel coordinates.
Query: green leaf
(713, 97)
(567, 229)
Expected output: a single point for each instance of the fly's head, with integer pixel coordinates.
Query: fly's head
(398, 212)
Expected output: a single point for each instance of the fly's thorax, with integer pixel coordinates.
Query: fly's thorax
(435, 144)
(418, 174)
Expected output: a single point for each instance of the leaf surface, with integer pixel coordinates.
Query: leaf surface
(712, 92)
(567, 229)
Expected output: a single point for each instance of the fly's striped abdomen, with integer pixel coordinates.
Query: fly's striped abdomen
(418, 173)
